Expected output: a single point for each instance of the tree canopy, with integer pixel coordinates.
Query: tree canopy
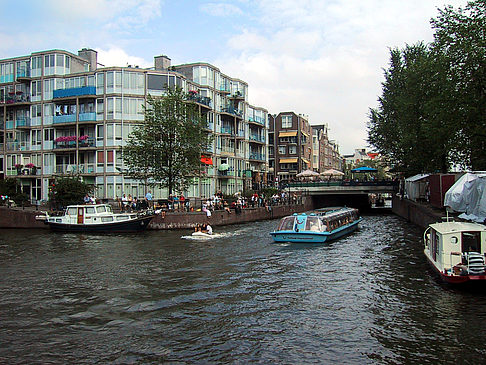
(431, 114)
(165, 150)
(69, 190)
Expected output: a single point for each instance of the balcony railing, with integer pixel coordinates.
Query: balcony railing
(255, 137)
(227, 130)
(87, 117)
(232, 110)
(23, 72)
(257, 156)
(22, 122)
(15, 99)
(205, 100)
(90, 142)
(256, 120)
(17, 146)
(75, 91)
(67, 118)
(87, 168)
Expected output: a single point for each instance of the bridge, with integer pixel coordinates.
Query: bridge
(337, 193)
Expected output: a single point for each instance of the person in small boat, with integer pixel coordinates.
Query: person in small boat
(209, 229)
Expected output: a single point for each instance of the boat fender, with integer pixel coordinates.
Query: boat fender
(163, 214)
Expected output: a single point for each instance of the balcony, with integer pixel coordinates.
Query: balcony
(237, 95)
(205, 100)
(225, 88)
(67, 118)
(23, 73)
(232, 110)
(18, 146)
(256, 120)
(22, 123)
(257, 138)
(74, 92)
(20, 98)
(227, 130)
(87, 117)
(257, 156)
(64, 169)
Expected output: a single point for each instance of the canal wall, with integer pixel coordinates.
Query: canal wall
(25, 218)
(19, 218)
(421, 214)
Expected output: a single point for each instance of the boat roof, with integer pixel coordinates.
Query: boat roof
(451, 227)
(87, 205)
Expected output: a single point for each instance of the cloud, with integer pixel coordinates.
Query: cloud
(220, 9)
(116, 56)
(324, 59)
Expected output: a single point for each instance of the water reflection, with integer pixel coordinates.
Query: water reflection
(154, 297)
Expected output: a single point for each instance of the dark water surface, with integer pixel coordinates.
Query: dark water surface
(154, 297)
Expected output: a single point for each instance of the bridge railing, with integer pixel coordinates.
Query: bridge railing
(304, 184)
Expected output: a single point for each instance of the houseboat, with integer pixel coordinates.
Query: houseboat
(97, 218)
(456, 250)
(320, 226)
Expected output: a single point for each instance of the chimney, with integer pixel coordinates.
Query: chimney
(162, 63)
(91, 56)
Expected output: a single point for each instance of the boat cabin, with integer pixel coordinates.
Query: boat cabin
(320, 221)
(90, 214)
(456, 248)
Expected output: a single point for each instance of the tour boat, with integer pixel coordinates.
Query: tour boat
(321, 226)
(456, 250)
(97, 218)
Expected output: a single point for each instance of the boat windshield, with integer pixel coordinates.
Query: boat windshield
(286, 224)
(72, 211)
(312, 224)
(101, 209)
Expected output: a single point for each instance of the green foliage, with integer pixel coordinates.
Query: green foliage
(11, 188)
(69, 190)
(166, 149)
(431, 113)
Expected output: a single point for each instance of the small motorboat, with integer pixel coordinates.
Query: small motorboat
(97, 218)
(321, 226)
(202, 234)
(456, 251)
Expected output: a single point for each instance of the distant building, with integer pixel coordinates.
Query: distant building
(359, 156)
(325, 153)
(290, 145)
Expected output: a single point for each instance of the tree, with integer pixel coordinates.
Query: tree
(410, 126)
(460, 37)
(11, 187)
(166, 149)
(68, 190)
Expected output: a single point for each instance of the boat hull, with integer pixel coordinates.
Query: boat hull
(313, 237)
(133, 225)
(457, 279)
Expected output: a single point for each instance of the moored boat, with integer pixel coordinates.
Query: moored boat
(97, 218)
(457, 250)
(317, 227)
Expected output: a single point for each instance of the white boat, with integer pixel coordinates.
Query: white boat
(97, 218)
(457, 250)
(321, 226)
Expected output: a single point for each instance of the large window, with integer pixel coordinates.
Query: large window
(286, 121)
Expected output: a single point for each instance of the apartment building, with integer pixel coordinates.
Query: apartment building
(290, 139)
(61, 114)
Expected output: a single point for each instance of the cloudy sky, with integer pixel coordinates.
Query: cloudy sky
(321, 58)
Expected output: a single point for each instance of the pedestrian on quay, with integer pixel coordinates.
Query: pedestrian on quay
(149, 199)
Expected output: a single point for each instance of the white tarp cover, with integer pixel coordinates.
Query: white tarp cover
(416, 186)
(468, 195)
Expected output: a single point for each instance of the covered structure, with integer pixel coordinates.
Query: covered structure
(416, 187)
(468, 196)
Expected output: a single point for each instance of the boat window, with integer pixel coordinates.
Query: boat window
(107, 219)
(471, 241)
(100, 209)
(312, 224)
(108, 209)
(72, 211)
(286, 224)
(90, 210)
(121, 217)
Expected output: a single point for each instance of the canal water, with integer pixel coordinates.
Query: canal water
(156, 297)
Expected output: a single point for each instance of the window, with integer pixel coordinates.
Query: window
(48, 134)
(281, 150)
(286, 121)
(292, 150)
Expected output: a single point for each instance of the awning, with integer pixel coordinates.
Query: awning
(306, 161)
(288, 134)
(288, 160)
(304, 133)
(207, 160)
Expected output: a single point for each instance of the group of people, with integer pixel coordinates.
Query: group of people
(130, 204)
(203, 228)
(89, 199)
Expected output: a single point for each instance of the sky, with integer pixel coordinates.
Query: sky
(321, 58)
